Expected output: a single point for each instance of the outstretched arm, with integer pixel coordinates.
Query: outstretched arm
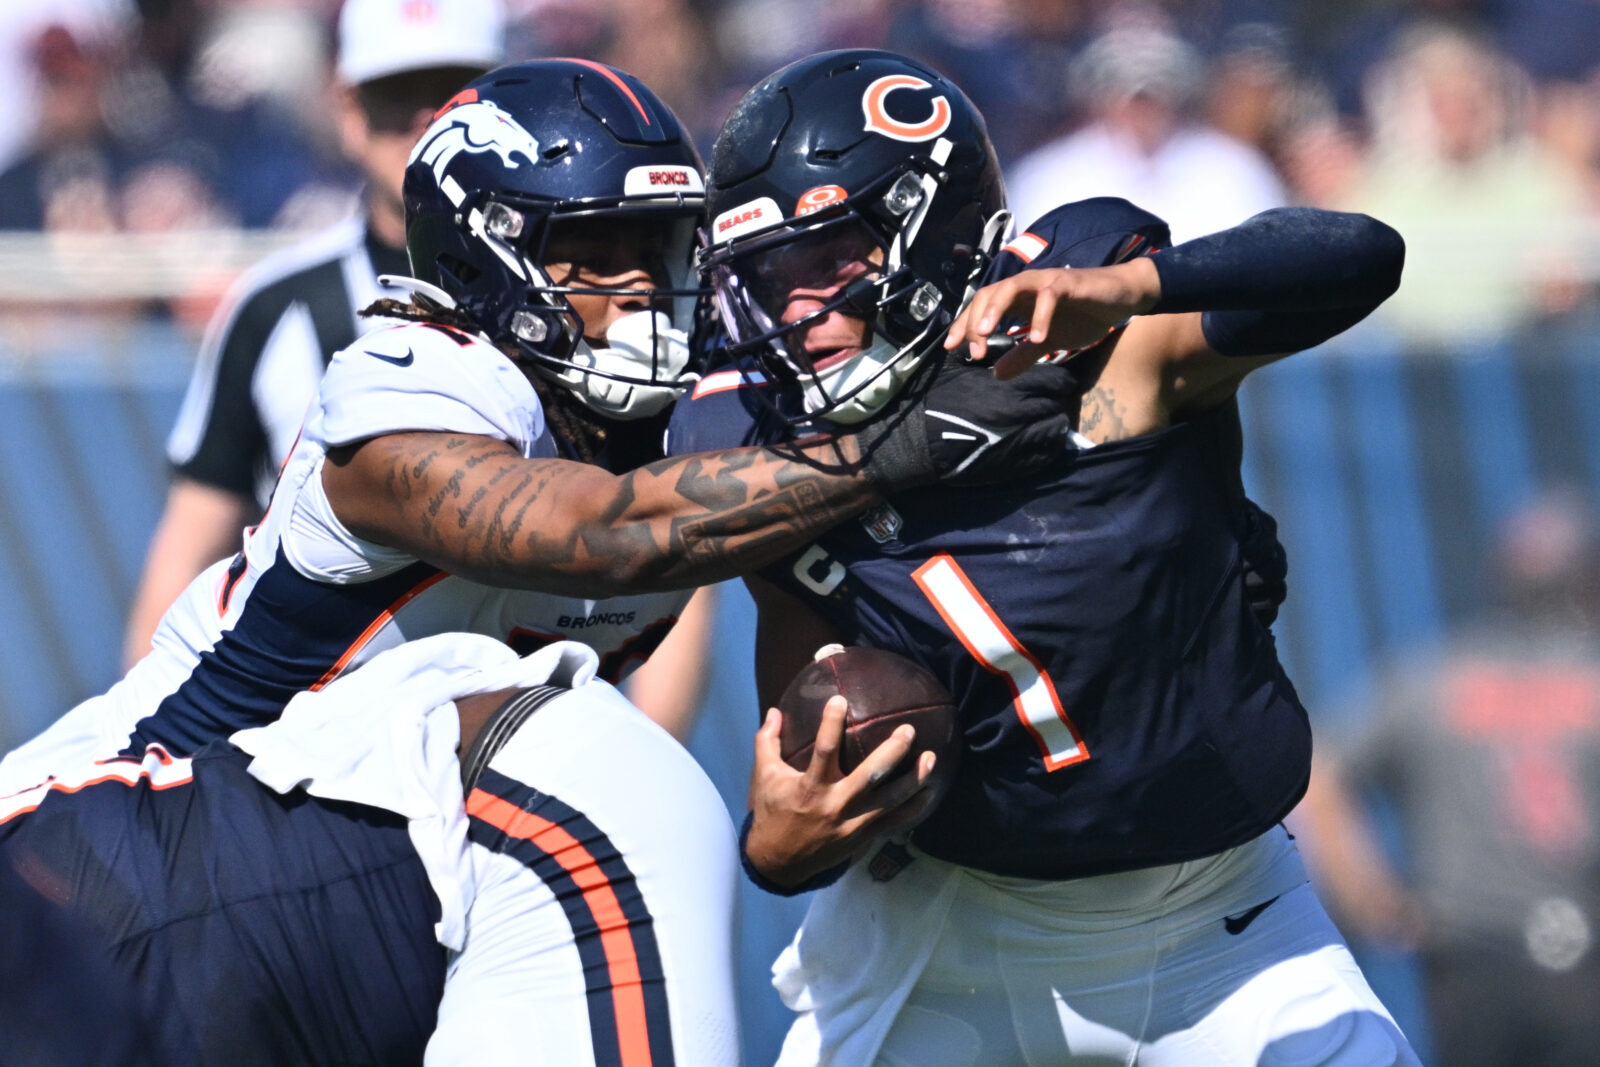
(476, 507)
(1203, 313)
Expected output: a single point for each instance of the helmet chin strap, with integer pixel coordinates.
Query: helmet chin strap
(870, 379)
(995, 232)
(642, 368)
(418, 287)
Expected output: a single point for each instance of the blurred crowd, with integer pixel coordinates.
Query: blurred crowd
(1471, 125)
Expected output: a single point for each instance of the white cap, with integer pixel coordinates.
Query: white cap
(382, 37)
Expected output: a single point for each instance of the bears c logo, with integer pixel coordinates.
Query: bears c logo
(880, 121)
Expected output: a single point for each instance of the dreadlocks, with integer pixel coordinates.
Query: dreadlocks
(419, 311)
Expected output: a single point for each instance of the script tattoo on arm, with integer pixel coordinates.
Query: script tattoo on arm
(1098, 418)
(476, 507)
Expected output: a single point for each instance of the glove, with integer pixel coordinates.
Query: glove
(1266, 564)
(960, 425)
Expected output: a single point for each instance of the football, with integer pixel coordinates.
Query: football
(884, 689)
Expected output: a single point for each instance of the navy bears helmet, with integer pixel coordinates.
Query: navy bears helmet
(544, 150)
(854, 156)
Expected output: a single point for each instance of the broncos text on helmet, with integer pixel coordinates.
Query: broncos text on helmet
(525, 160)
(865, 181)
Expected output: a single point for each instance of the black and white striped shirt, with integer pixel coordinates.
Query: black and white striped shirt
(265, 351)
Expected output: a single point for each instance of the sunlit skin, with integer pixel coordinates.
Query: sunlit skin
(382, 156)
(604, 254)
(823, 270)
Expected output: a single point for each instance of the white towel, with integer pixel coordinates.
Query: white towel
(386, 735)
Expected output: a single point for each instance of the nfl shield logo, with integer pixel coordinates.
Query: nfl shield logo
(882, 523)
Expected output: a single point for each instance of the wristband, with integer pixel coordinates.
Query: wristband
(767, 885)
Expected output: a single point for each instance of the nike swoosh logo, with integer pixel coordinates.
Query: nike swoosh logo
(398, 361)
(1235, 924)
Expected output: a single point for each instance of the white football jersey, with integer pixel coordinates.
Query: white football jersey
(306, 600)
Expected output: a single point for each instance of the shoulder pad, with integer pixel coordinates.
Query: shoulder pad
(724, 410)
(1097, 232)
(427, 378)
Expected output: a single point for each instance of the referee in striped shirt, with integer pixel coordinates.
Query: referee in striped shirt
(264, 352)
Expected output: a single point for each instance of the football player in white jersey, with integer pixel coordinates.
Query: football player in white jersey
(315, 891)
(493, 467)
(551, 208)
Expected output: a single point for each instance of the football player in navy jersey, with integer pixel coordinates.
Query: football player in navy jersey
(495, 464)
(493, 468)
(1107, 879)
(511, 866)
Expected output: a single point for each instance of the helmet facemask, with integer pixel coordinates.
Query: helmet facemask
(642, 363)
(778, 287)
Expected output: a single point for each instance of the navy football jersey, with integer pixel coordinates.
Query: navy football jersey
(1121, 706)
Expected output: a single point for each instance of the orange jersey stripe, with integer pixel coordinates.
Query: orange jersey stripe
(169, 774)
(616, 939)
(377, 624)
(723, 380)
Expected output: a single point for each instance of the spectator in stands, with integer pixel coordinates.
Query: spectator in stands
(1251, 90)
(1009, 55)
(1488, 753)
(1363, 35)
(1487, 211)
(80, 173)
(1554, 40)
(266, 350)
(1142, 143)
(256, 158)
(159, 142)
(98, 24)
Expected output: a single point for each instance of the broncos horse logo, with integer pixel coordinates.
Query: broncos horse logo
(467, 124)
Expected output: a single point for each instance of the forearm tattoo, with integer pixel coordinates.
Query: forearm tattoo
(476, 507)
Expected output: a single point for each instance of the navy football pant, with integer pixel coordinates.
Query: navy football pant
(256, 928)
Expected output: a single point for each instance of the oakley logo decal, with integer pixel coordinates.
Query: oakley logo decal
(880, 121)
(819, 198)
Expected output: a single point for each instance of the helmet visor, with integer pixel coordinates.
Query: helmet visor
(782, 285)
(620, 252)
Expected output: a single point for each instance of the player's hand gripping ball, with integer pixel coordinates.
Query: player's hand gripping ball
(883, 690)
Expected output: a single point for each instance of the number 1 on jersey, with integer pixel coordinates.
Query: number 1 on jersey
(987, 639)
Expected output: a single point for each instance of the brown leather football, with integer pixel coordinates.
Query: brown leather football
(884, 689)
